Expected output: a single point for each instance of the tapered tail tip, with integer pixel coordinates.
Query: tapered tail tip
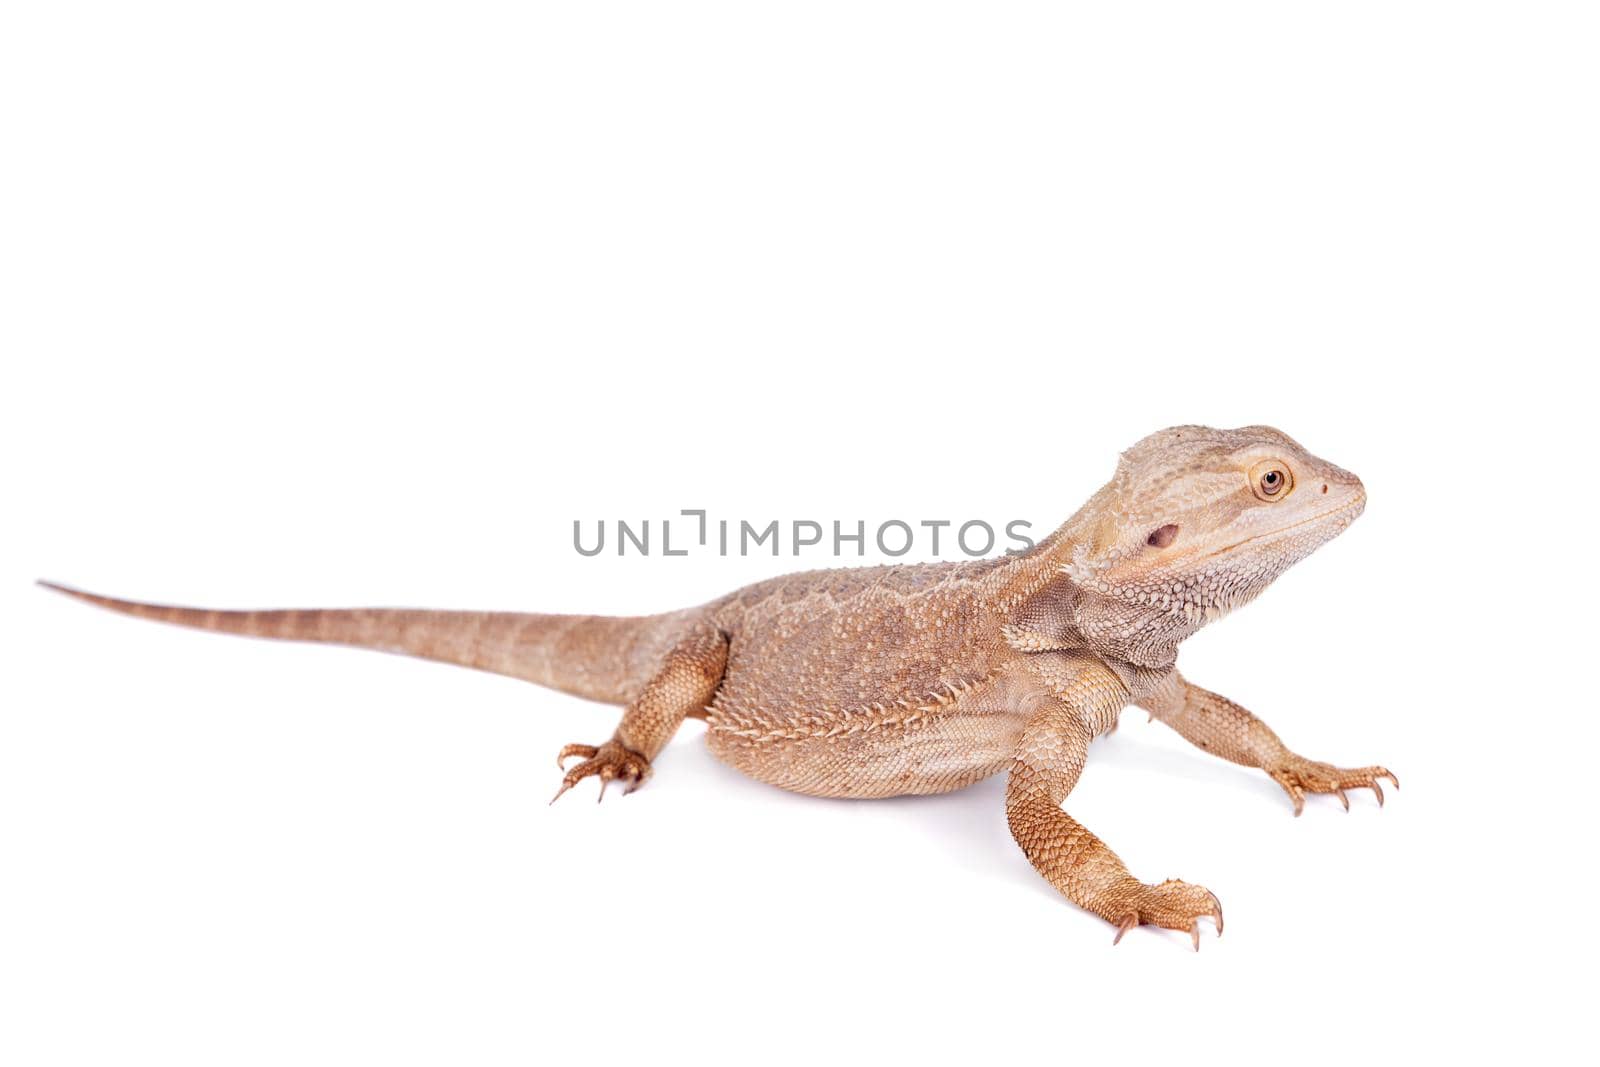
(67, 590)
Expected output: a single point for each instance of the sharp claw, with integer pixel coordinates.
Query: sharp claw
(1124, 926)
(1343, 799)
(1194, 933)
(1376, 788)
(1392, 779)
(602, 794)
(1299, 804)
(564, 787)
(1216, 911)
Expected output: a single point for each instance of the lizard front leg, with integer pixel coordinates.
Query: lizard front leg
(1085, 698)
(683, 686)
(1223, 728)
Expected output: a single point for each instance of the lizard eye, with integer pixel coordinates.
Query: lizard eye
(1271, 480)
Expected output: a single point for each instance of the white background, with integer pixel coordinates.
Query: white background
(341, 303)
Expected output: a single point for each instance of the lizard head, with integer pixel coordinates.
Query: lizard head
(1197, 522)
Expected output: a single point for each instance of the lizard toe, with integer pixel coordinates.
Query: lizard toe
(609, 762)
(1172, 904)
(1299, 776)
(568, 751)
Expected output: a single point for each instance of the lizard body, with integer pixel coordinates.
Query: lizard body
(881, 681)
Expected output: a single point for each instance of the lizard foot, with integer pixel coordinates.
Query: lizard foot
(609, 761)
(1300, 776)
(1173, 904)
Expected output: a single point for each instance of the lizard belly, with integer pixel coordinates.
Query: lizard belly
(870, 755)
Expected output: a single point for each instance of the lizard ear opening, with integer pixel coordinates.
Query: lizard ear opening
(1162, 536)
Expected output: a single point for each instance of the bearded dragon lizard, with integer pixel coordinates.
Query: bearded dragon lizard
(882, 681)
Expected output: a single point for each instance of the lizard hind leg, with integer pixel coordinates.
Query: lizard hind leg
(683, 686)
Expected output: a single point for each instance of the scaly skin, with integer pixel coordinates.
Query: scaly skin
(882, 681)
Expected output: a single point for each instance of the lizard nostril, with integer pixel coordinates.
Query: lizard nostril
(1324, 487)
(1163, 536)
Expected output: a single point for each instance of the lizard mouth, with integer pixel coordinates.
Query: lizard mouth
(1357, 505)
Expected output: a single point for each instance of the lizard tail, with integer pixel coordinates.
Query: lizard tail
(598, 657)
